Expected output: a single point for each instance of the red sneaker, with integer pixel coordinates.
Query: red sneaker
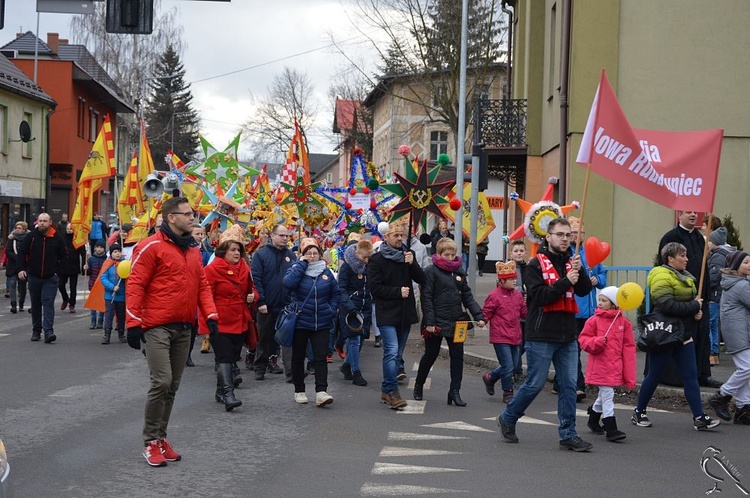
(340, 351)
(152, 454)
(169, 454)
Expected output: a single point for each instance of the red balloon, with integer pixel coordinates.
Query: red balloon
(353, 191)
(595, 251)
(455, 204)
(348, 205)
(365, 190)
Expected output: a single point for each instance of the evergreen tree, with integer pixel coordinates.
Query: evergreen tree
(171, 121)
(733, 233)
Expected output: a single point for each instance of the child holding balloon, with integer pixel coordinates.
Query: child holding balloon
(114, 279)
(608, 339)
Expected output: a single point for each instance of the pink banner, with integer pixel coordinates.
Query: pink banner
(675, 169)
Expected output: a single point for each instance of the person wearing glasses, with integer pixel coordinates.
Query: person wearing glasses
(166, 288)
(553, 278)
(269, 266)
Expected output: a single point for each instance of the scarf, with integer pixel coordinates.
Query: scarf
(392, 253)
(315, 269)
(184, 242)
(350, 257)
(445, 264)
(567, 303)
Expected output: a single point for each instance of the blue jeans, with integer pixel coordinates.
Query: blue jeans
(394, 342)
(539, 356)
(353, 346)
(713, 325)
(508, 355)
(43, 292)
(17, 290)
(684, 357)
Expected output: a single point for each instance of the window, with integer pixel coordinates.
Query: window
(81, 117)
(3, 129)
(93, 124)
(27, 147)
(329, 178)
(438, 144)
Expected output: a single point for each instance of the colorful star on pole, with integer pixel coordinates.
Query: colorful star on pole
(300, 194)
(418, 196)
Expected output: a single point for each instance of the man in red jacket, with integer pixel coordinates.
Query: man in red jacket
(165, 290)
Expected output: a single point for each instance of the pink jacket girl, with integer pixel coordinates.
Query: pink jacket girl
(504, 308)
(611, 360)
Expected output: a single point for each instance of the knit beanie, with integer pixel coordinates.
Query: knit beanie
(735, 259)
(100, 243)
(113, 248)
(719, 236)
(610, 293)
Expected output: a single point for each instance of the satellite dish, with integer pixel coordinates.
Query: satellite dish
(25, 131)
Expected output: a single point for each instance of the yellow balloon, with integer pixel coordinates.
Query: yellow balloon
(123, 269)
(629, 296)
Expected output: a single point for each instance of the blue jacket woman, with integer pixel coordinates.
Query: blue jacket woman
(309, 276)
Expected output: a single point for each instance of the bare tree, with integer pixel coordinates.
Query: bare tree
(349, 84)
(418, 41)
(269, 130)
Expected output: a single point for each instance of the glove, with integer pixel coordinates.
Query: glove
(213, 327)
(135, 336)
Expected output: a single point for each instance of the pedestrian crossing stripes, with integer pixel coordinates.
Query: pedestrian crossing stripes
(458, 426)
(415, 436)
(413, 408)
(398, 468)
(370, 489)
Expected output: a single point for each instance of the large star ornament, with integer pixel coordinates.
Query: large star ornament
(418, 196)
(301, 194)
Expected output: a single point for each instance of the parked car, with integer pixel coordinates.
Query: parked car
(5, 486)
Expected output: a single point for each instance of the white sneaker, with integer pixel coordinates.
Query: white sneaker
(300, 398)
(322, 398)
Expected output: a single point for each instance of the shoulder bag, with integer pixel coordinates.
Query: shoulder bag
(287, 320)
(659, 332)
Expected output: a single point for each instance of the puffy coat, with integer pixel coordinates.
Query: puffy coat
(611, 361)
(109, 279)
(230, 284)
(673, 293)
(444, 296)
(553, 326)
(386, 277)
(355, 293)
(11, 252)
(40, 255)
(71, 263)
(95, 266)
(269, 266)
(166, 285)
(504, 309)
(587, 304)
(716, 262)
(319, 311)
(735, 312)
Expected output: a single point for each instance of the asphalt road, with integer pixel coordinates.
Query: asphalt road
(71, 415)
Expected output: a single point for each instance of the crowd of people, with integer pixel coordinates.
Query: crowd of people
(231, 287)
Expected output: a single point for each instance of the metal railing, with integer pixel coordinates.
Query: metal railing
(503, 122)
(618, 275)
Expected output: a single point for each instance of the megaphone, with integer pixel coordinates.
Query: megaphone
(153, 186)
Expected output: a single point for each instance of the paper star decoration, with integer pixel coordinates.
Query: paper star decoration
(301, 194)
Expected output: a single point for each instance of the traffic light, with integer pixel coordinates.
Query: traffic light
(483, 166)
(2, 14)
(134, 17)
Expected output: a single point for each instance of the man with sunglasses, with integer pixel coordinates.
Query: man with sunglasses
(553, 278)
(269, 266)
(166, 289)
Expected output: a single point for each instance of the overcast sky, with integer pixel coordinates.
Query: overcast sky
(225, 37)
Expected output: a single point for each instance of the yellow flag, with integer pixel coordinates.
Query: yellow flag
(101, 160)
(84, 210)
(130, 205)
(145, 161)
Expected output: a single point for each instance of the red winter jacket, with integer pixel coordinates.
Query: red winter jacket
(611, 362)
(230, 284)
(504, 309)
(166, 285)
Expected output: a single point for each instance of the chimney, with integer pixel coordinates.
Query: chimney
(63, 41)
(53, 41)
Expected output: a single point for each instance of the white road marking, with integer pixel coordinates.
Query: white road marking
(583, 413)
(458, 426)
(371, 489)
(415, 436)
(413, 408)
(415, 366)
(395, 451)
(427, 383)
(4, 335)
(382, 469)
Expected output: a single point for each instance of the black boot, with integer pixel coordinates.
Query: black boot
(227, 374)
(418, 392)
(454, 396)
(237, 375)
(593, 422)
(13, 307)
(720, 403)
(219, 396)
(107, 335)
(346, 369)
(610, 426)
(742, 415)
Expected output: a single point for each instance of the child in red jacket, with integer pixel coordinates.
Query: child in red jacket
(608, 339)
(504, 308)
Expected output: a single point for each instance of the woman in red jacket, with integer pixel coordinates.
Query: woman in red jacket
(608, 339)
(232, 287)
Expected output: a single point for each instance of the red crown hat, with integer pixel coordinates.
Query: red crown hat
(506, 270)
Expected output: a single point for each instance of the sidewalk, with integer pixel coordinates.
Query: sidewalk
(479, 352)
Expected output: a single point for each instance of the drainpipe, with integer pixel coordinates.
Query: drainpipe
(564, 70)
(509, 59)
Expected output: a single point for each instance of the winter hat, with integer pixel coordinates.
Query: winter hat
(113, 248)
(506, 270)
(307, 243)
(235, 233)
(610, 293)
(719, 236)
(100, 243)
(353, 237)
(735, 259)
(127, 227)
